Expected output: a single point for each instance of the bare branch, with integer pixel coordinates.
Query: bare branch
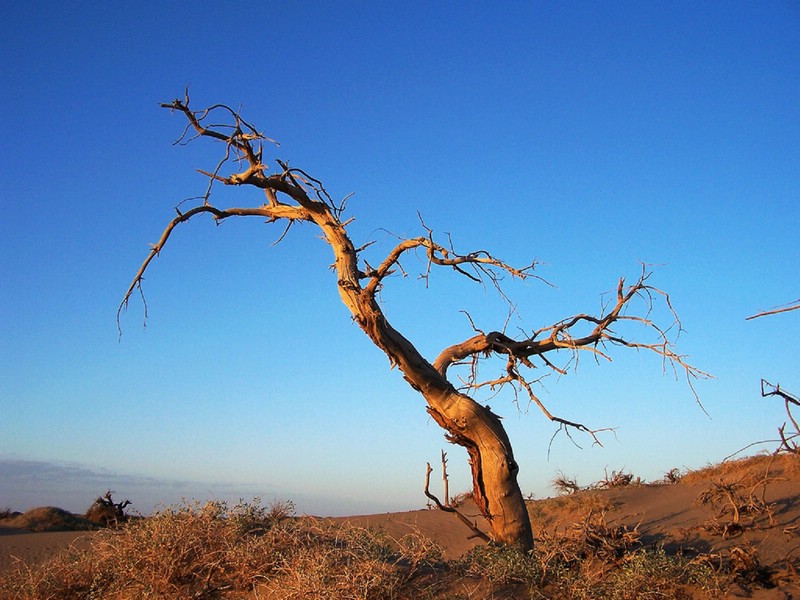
(476, 532)
(272, 213)
(476, 266)
(564, 336)
(777, 310)
(786, 441)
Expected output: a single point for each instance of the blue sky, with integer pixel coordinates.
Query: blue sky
(589, 136)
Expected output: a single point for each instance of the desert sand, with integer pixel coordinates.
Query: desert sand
(672, 515)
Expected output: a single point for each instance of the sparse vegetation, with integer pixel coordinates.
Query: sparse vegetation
(583, 551)
(564, 485)
(618, 479)
(213, 551)
(674, 475)
(47, 518)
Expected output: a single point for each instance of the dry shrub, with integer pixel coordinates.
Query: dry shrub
(593, 538)
(593, 560)
(732, 498)
(107, 513)
(749, 470)
(564, 485)
(460, 499)
(739, 564)
(618, 479)
(212, 551)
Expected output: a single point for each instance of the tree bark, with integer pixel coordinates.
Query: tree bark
(469, 424)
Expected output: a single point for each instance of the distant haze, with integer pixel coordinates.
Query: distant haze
(26, 484)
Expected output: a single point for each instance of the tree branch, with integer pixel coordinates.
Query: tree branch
(563, 336)
(272, 213)
(786, 308)
(476, 533)
(481, 264)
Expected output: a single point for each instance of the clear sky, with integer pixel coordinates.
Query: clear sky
(588, 135)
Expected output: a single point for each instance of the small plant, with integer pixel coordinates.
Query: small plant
(460, 499)
(564, 485)
(674, 475)
(501, 565)
(618, 479)
(251, 517)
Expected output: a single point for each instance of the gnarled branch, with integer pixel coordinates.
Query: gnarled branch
(562, 336)
(272, 213)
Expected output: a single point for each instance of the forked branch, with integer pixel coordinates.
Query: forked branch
(478, 265)
(580, 333)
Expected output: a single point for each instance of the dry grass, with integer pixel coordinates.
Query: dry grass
(255, 552)
(748, 471)
(249, 551)
(211, 551)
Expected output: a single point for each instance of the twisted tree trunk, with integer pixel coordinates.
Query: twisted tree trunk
(468, 423)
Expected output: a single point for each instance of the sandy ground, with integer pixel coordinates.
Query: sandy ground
(666, 514)
(452, 535)
(20, 545)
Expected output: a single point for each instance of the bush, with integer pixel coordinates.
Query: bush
(211, 551)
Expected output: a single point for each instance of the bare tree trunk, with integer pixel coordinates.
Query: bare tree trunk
(494, 470)
(469, 424)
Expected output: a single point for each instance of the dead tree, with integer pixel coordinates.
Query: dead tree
(106, 512)
(291, 195)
